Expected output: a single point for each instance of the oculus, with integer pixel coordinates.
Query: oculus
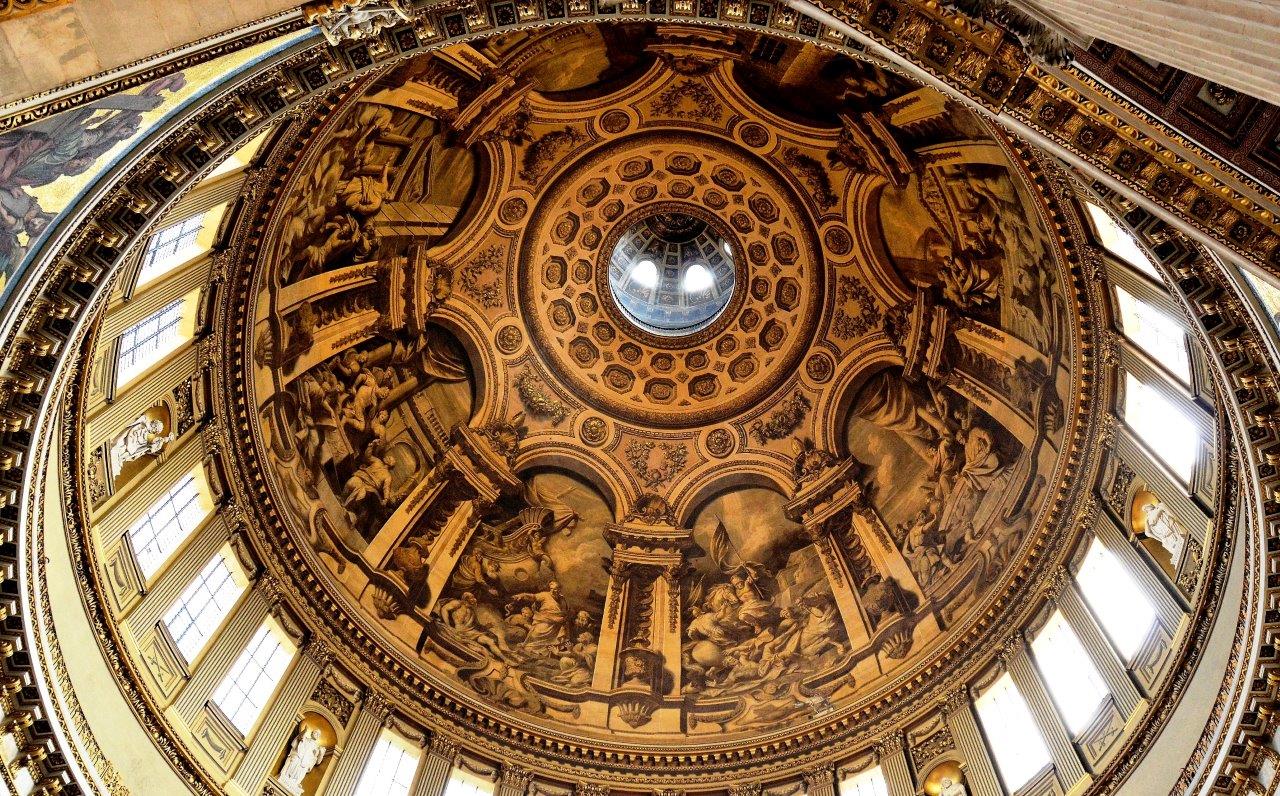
(672, 273)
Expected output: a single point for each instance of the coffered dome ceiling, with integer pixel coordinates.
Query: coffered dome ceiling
(599, 384)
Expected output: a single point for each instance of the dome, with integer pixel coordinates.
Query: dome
(546, 398)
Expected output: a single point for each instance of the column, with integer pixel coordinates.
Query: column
(820, 781)
(957, 712)
(437, 763)
(893, 765)
(1066, 761)
(513, 781)
(282, 716)
(824, 503)
(224, 648)
(1103, 655)
(357, 746)
(1231, 42)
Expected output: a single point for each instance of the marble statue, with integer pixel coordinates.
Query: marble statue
(1162, 527)
(951, 787)
(140, 438)
(305, 754)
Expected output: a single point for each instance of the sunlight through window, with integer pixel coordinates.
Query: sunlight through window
(166, 524)
(1155, 332)
(865, 783)
(645, 274)
(1015, 740)
(204, 605)
(464, 783)
(1161, 425)
(1119, 241)
(1073, 681)
(390, 769)
(1123, 610)
(247, 688)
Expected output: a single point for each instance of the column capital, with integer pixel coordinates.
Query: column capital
(445, 747)
(818, 777)
(515, 777)
(319, 652)
(1011, 648)
(1057, 580)
(955, 701)
(376, 705)
(889, 744)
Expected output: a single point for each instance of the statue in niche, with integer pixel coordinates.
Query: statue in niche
(142, 437)
(305, 753)
(952, 787)
(1161, 526)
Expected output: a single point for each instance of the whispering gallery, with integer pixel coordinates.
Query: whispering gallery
(639, 398)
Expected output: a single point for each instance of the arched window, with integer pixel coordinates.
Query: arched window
(247, 688)
(391, 766)
(201, 609)
(1123, 610)
(1015, 741)
(167, 523)
(698, 279)
(865, 783)
(1072, 679)
(645, 274)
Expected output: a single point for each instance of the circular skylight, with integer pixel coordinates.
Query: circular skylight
(672, 273)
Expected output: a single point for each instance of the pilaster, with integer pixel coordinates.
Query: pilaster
(437, 763)
(893, 765)
(357, 746)
(1066, 760)
(980, 773)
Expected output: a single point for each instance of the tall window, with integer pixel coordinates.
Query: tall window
(1266, 292)
(248, 687)
(167, 524)
(390, 768)
(1120, 242)
(865, 783)
(145, 343)
(1073, 681)
(1015, 740)
(1162, 426)
(1155, 332)
(203, 606)
(464, 783)
(169, 247)
(1122, 608)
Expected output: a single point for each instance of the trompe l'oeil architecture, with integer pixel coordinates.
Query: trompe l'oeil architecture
(711, 398)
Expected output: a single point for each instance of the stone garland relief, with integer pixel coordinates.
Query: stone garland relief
(541, 570)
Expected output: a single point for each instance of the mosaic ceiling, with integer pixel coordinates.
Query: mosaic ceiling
(564, 515)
